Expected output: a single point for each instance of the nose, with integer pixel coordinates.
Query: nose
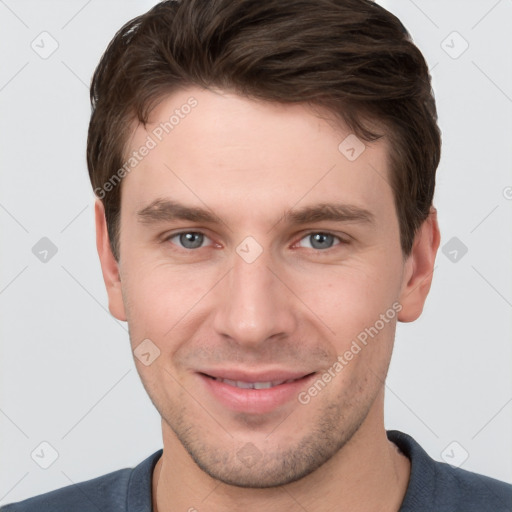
(254, 302)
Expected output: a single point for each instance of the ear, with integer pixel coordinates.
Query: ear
(419, 268)
(109, 266)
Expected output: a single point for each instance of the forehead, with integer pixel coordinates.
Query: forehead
(251, 158)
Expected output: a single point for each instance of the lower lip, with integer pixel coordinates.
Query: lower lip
(256, 401)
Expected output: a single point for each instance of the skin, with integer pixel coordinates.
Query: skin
(296, 306)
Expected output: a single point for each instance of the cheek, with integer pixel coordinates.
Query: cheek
(163, 299)
(160, 299)
(347, 299)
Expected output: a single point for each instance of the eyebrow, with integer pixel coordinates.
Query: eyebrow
(165, 210)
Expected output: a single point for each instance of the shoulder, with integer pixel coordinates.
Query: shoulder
(112, 491)
(438, 486)
(98, 493)
(477, 492)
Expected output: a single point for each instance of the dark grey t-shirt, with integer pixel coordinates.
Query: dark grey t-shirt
(433, 487)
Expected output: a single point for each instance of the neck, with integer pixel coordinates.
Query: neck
(368, 473)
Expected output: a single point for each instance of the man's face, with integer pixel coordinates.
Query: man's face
(255, 294)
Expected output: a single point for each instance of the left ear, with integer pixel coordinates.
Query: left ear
(419, 268)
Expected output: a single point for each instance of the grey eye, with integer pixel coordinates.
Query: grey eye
(189, 239)
(320, 240)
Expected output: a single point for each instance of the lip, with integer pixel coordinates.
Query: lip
(254, 401)
(261, 376)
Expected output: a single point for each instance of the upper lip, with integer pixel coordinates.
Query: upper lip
(252, 376)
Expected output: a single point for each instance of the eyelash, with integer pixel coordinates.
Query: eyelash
(341, 240)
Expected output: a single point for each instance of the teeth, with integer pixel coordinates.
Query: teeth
(253, 385)
(263, 385)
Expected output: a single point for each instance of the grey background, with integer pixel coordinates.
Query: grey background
(67, 374)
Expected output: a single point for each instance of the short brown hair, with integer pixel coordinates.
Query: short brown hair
(350, 56)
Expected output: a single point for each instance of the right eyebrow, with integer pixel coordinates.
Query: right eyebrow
(165, 210)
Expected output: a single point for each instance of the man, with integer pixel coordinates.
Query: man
(265, 174)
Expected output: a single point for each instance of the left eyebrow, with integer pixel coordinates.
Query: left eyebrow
(337, 212)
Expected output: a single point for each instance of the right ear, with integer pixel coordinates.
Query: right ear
(109, 265)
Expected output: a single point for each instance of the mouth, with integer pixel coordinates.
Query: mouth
(254, 385)
(258, 395)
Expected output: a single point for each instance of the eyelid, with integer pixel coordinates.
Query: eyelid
(344, 240)
(167, 237)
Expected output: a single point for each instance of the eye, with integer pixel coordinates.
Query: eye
(188, 239)
(319, 240)
(322, 240)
